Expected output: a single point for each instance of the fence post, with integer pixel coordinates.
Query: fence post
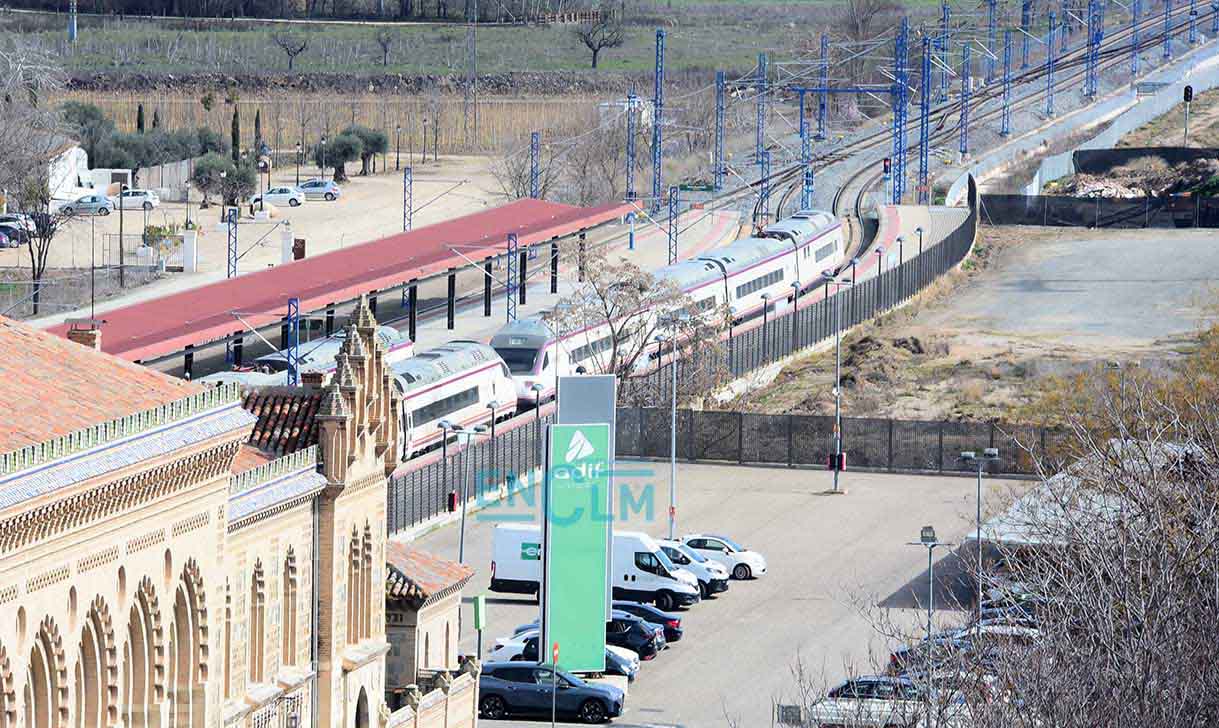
(940, 460)
(891, 467)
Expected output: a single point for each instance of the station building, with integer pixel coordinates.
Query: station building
(174, 555)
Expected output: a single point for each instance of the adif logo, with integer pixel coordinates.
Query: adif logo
(578, 448)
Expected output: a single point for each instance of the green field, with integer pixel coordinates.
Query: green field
(729, 40)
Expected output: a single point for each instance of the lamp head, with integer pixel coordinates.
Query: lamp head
(492, 404)
(927, 535)
(918, 230)
(880, 250)
(445, 425)
(537, 388)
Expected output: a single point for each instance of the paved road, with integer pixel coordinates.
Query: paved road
(824, 553)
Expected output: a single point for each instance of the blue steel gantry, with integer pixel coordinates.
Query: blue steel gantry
(823, 97)
(945, 46)
(293, 325)
(806, 158)
(1005, 124)
(632, 116)
(672, 225)
(721, 164)
(1026, 19)
(763, 90)
(1136, 9)
(658, 103)
(965, 93)
(924, 122)
(408, 199)
(535, 152)
(992, 18)
(1049, 67)
(900, 107)
(512, 282)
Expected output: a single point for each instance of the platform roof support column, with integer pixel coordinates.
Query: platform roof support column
(554, 266)
(408, 199)
(451, 300)
(673, 224)
(510, 297)
(412, 312)
(535, 151)
(294, 341)
(487, 280)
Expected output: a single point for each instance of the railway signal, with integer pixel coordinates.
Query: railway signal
(1188, 97)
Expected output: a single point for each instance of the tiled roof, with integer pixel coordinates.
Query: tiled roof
(50, 386)
(249, 457)
(274, 492)
(414, 575)
(287, 418)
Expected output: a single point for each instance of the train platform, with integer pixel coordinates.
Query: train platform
(168, 324)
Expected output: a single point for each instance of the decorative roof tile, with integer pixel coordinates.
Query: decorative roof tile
(287, 418)
(50, 387)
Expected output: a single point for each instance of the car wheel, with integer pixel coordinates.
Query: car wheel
(665, 601)
(147, 205)
(592, 711)
(330, 197)
(493, 707)
(741, 572)
(293, 202)
(704, 591)
(103, 211)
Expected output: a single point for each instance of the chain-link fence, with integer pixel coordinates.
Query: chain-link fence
(1171, 211)
(68, 290)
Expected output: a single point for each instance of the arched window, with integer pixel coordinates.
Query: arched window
(366, 600)
(354, 581)
(228, 641)
(257, 624)
(140, 657)
(46, 680)
(288, 611)
(189, 656)
(95, 669)
(8, 700)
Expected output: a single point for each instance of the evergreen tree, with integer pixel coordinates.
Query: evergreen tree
(156, 119)
(236, 135)
(139, 118)
(258, 131)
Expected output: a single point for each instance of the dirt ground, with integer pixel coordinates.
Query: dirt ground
(369, 208)
(1169, 129)
(1033, 303)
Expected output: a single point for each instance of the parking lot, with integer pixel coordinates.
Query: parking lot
(826, 554)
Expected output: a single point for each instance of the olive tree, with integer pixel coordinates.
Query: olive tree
(337, 152)
(372, 142)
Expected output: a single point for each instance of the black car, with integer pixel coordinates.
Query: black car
(614, 663)
(670, 622)
(515, 688)
(627, 630)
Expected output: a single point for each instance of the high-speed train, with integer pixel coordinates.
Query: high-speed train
(741, 277)
(319, 355)
(464, 382)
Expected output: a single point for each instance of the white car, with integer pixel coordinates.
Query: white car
(137, 199)
(712, 576)
(280, 197)
(507, 649)
(740, 561)
(879, 700)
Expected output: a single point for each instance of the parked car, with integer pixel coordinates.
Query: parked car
(16, 233)
(520, 689)
(740, 561)
(670, 623)
(623, 630)
(89, 205)
(618, 661)
(6, 243)
(877, 700)
(280, 196)
(18, 218)
(321, 189)
(712, 576)
(137, 199)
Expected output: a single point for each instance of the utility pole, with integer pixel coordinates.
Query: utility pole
(924, 123)
(762, 91)
(1006, 123)
(764, 187)
(1026, 13)
(658, 102)
(1167, 29)
(824, 95)
(1049, 68)
(1136, 9)
(806, 158)
(965, 93)
(992, 17)
(1193, 22)
(720, 104)
(945, 54)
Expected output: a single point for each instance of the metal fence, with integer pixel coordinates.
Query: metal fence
(1173, 211)
(67, 291)
(808, 440)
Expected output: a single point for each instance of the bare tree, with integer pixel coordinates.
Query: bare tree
(30, 129)
(512, 171)
(291, 44)
(599, 35)
(386, 40)
(43, 225)
(633, 308)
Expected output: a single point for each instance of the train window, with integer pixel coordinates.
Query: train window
(446, 406)
(704, 305)
(519, 361)
(759, 283)
(546, 361)
(825, 251)
(584, 352)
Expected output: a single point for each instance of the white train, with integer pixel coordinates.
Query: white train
(743, 276)
(272, 369)
(464, 382)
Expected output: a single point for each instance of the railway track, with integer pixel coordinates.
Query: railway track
(1114, 50)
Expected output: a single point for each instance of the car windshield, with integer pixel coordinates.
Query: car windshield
(665, 561)
(694, 556)
(731, 544)
(519, 361)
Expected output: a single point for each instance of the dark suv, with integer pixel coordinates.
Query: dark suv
(670, 622)
(633, 633)
(514, 688)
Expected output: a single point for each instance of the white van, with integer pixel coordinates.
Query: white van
(641, 571)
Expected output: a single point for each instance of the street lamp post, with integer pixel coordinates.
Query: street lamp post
(919, 231)
(423, 147)
(901, 270)
(122, 263)
(880, 279)
(838, 284)
(928, 540)
(323, 157)
(492, 406)
(969, 457)
(398, 151)
(660, 340)
(298, 163)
